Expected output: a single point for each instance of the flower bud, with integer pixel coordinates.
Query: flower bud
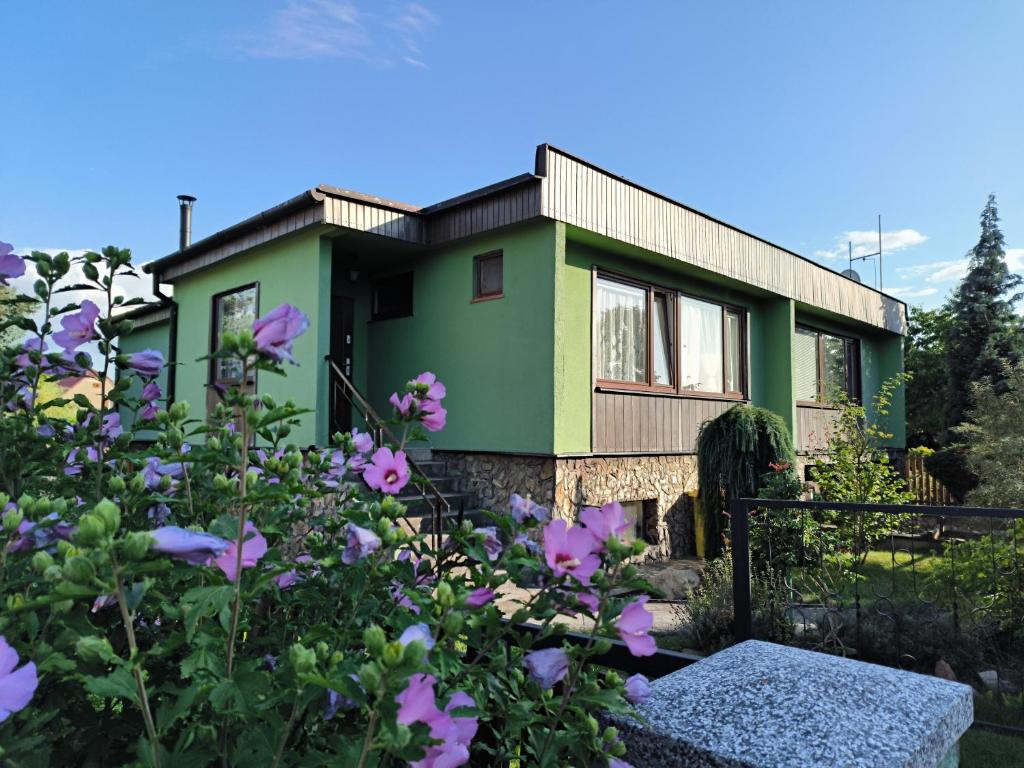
(303, 659)
(602, 645)
(374, 640)
(116, 485)
(613, 678)
(413, 653)
(137, 483)
(369, 676)
(94, 650)
(393, 653)
(42, 507)
(41, 560)
(323, 651)
(445, 595)
(617, 748)
(611, 733)
(52, 573)
(639, 546)
(12, 519)
(592, 725)
(453, 623)
(401, 736)
(251, 478)
(214, 443)
(15, 601)
(91, 530)
(79, 570)
(108, 512)
(178, 410)
(221, 482)
(165, 482)
(66, 548)
(26, 503)
(136, 545)
(64, 606)
(60, 506)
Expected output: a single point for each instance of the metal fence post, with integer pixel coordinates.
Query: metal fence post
(739, 529)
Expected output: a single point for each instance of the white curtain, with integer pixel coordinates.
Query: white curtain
(805, 345)
(700, 345)
(621, 332)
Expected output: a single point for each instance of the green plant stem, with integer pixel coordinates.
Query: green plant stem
(100, 441)
(140, 684)
(287, 730)
(371, 728)
(570, 684)
(236, 605)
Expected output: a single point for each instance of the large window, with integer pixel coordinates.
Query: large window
(643, 342)
(827, 366)
(233, 311)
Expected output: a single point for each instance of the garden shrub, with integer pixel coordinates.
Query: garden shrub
(734, 450)
(220, 597)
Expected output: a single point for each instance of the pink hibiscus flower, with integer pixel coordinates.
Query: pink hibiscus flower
(253, 548)
(570, 551)
(387, 472)
(633, 624)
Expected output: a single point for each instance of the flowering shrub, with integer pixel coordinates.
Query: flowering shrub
(219, 597)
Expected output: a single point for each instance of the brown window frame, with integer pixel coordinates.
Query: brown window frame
(674, 295)
(214, 338)
(851, 347)
(478, 294)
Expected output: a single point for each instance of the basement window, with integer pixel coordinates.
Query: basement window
(392, 297)
(488, 280)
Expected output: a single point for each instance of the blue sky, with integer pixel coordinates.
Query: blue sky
(798, 121)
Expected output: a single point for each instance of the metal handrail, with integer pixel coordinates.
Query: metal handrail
(439, 505)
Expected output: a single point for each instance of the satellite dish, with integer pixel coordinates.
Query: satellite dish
(852, 274)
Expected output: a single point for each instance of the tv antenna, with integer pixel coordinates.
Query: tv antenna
(866, 256)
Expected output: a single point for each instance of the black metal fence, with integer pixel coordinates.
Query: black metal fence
(931, 589)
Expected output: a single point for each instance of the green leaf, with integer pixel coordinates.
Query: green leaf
(202, 602)
(168, 713)
(118, 684)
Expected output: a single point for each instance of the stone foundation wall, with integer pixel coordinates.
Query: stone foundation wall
(567, 485)
(661, 480)
(494, 477)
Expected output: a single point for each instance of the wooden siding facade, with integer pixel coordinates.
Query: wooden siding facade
(813, 427)
(577, 193)
(627, 423)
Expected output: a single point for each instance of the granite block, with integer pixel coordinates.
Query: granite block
(761, 705)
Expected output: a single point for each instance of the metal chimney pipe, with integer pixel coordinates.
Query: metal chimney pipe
(185, 226)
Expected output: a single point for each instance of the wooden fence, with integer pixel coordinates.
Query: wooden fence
(928, 489)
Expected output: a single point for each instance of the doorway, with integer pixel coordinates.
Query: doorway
(342, 332)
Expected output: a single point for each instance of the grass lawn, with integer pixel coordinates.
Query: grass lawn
(982, 749)
(899, 575)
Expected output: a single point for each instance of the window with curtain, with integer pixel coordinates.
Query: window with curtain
(648, 337)
(826, 366)
(233, 312)
(711, 350)
(621, 332)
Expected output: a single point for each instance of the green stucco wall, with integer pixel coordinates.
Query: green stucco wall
(495, 357)
(156, 336)
(771, 359)
(294, 270)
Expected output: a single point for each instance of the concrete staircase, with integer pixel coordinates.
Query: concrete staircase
(463, 504)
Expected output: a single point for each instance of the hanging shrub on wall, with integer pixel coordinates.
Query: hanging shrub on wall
(733, 451)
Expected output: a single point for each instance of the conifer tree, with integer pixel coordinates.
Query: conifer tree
(985, 332)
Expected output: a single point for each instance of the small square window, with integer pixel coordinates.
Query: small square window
(488, 280)
(392, 297)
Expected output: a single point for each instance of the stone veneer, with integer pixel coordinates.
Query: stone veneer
(662, 480)
(566, 485)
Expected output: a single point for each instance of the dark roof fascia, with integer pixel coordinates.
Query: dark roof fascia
(143, 309)
(306, 199)
(541, 170)
(362, 197)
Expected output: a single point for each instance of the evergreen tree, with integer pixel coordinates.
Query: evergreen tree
(984, 332)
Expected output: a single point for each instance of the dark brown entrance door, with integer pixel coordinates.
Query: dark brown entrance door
(342, 330)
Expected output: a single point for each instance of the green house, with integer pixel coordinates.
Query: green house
(585, 327)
